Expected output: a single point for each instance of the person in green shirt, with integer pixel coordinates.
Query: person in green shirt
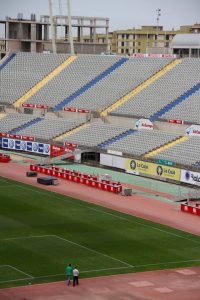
(69, 271)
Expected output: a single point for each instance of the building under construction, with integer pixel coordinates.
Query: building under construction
(36, 36)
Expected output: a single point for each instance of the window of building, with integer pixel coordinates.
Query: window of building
(122, 44)
(122, 50)
(127, 51)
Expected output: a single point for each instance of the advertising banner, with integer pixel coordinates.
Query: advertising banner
(171, 121)
(29, 146)
(193, 130)
(152, 169)
(144, 124)
(190, 177)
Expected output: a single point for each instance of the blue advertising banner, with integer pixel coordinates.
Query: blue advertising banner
(28, 146)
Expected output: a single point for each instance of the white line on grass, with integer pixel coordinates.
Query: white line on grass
(107, 213)
(18, 271)
(99, 270)
(26, 237)
(71, 242)
(94, 251)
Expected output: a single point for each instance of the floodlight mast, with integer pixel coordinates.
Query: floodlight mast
(70, 27)
(158, 10)
(53, 37)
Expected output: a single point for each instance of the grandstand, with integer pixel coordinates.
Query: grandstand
(116, 91)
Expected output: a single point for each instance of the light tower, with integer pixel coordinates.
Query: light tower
(158, 11)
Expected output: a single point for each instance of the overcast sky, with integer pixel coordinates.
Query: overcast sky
(123, 14)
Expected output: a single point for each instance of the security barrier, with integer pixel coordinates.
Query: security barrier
(78, 177)
(4, 158)
(195, 210)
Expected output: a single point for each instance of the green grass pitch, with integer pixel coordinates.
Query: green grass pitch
(41, 232)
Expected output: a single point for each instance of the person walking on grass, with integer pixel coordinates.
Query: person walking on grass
(75, 276)
(69, 271)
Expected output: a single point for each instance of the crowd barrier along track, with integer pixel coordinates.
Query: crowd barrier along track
(78, 177)
(192, 209)
(4, 158)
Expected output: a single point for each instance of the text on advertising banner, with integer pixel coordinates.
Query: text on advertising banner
(153, 169)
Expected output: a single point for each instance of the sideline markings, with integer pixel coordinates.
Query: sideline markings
(98, 270)
(107, 213)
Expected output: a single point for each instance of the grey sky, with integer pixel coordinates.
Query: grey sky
(123, 14)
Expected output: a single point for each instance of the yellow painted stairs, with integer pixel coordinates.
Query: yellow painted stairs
(44, 81)
(142, 86)
(166, 146)
(68, 133)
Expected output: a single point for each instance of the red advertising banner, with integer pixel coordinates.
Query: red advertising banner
(35, 105)
(16, 136)
(175, 121)
(56, 150)
(79, 110)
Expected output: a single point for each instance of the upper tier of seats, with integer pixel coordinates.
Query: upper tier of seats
(164, 90)
(187, 111)
(24, 71)
(84, 69)
(117, 84)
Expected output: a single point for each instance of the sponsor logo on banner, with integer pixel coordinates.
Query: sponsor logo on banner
(5, 143)
(190, 177)
(35, 147)
(23, 145)
(29, 146)
(17, 145)
(11, 144)
(152, 169)
(41, 148)
(144, 124)
(193, 130)
(46, 148)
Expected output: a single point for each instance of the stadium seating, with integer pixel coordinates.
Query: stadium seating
(47, 129)
(24, 71)
(95, 134)
(14, 120)
(163, 91)
(186, 153)
(142, 141)
(97, 83)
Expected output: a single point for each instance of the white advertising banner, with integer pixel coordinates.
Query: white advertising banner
(190, 177)
(144, 124)
(193, 130)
